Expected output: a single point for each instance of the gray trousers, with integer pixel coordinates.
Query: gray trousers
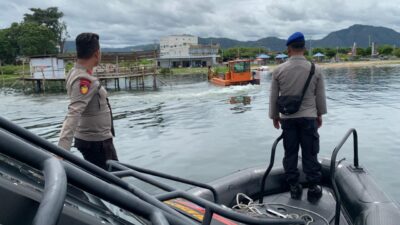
(301, 132)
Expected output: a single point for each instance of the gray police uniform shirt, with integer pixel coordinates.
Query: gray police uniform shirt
(89, 116)
(289, 78)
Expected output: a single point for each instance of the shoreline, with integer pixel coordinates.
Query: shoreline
(353, 64)
(360, 64)
(13, 81)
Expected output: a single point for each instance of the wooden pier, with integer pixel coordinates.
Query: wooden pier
(133, 77)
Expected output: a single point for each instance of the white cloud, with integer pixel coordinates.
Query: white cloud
(132, 22)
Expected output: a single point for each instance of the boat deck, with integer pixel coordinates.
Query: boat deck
(324, 207)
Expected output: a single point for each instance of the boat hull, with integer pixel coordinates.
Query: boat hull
(363, 202)
(222, 82)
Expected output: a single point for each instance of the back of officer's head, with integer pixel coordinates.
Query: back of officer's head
(87, 44)
(297, 46)
(296, 43)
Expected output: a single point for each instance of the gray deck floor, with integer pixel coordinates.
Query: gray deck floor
(324, 206)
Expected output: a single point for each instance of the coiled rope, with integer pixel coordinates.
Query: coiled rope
(253, 209)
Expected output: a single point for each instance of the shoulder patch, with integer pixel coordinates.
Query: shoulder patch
(84, 85)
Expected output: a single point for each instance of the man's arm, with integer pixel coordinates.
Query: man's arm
(320, 94)
(78, 103)
(320, 98)
(273, 97)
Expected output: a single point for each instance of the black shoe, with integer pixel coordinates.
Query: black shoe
(296, 191)
(314, 193)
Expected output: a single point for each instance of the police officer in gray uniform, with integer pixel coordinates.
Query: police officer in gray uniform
(301, 127)
(89, 117)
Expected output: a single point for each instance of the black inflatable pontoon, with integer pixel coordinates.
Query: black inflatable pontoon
(38, 188)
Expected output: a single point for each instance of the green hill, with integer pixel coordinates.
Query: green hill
(361, 34)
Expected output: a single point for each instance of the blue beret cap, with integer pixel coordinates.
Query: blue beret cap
(295, 37)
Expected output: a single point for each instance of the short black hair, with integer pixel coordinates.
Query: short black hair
(86, 45)
(299, 45)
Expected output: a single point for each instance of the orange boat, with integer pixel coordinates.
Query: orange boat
(239, 73)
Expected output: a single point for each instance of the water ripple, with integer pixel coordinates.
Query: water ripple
(194, 130)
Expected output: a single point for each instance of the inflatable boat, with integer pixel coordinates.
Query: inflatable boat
(42, 184)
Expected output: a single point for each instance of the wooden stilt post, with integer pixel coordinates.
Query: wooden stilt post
(154, 82)
(23, 74)
(155, 70)
(38, 88)
(143, 78)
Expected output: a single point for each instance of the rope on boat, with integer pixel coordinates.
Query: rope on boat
(253, 209)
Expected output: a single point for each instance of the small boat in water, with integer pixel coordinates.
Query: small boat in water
(38, 188)
(263, 68)
(238, 74)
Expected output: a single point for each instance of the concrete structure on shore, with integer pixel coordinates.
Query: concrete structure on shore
(115, 67)
(184, 51)
(46, 67)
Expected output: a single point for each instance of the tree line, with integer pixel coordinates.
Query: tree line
(42, 32)
(253, 52)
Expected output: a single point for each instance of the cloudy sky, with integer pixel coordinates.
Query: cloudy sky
(132, 22)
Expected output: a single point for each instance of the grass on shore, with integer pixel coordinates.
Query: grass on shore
(182, 71)
(9, 80)
(10, 74)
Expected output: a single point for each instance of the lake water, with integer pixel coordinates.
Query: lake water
(193, 130)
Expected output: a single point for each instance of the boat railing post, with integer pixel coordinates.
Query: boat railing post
(55, 190)
(271, 164)
(333, 168)
(208, 214)
(355, 146)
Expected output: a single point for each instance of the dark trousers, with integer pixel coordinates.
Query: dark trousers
(301, 132)
(97, 152)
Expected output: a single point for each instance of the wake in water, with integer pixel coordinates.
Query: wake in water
(193, 91)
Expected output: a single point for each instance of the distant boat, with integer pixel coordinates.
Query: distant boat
(238, 74)
(263, 68)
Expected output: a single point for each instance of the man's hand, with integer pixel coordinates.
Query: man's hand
(276, 122)
(319, 121)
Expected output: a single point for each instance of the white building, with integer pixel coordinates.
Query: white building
(184, 51)
(47, 67)
(176, 45)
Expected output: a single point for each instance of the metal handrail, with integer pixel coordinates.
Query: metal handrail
(91, 168)
(118, 165)
(333, 168)
(55, 190)
(210, 208)
(132, 173)
(271, 164)
(102, 183)
(33, 156)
